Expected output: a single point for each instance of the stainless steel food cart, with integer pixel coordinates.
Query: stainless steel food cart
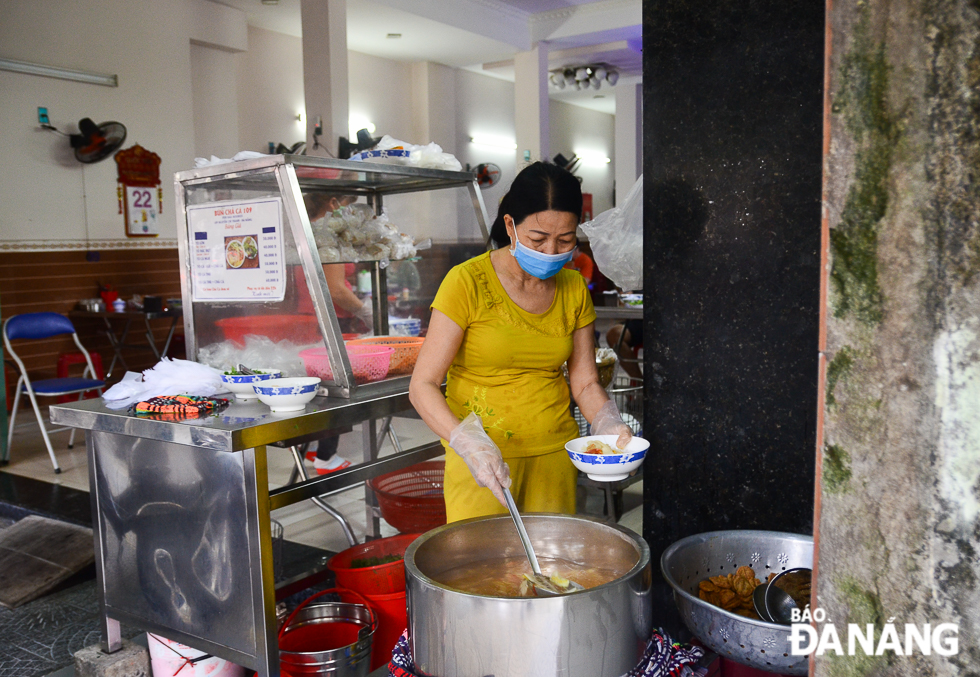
(181, 508)
(181, 517)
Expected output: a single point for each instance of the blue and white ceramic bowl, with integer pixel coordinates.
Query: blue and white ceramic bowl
(288, 394)
(607, 467)
(241, 384)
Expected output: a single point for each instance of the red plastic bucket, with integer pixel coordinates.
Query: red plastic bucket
(392, 612)
(379, 579)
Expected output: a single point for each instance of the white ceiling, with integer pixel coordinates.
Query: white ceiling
(483, 35)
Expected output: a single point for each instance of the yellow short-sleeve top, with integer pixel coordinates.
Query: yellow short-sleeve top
(508, 367)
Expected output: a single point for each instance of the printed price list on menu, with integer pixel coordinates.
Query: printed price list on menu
(237, 250)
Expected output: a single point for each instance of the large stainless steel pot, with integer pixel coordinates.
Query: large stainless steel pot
(600, 632)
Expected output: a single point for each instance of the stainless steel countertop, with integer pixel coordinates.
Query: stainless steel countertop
(619, 312)
(238, 426)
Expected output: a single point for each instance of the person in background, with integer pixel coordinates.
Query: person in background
(353, 315)
(626, 338)
(502, 326)
(581, 262)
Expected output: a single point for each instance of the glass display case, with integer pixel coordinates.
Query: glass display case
(261, 246)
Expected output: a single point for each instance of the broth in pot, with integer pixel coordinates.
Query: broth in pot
(502, 577)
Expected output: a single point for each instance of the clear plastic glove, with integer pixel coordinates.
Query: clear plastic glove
(481, 455)
(366, 315)
(607, 421)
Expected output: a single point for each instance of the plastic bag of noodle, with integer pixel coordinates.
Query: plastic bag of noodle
(616, 238)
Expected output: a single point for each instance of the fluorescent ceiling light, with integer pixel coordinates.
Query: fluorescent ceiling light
(60, 73)
(592, 158)
(357, 122)
(498, 142)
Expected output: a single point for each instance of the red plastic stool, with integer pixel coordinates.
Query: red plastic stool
(67, 359)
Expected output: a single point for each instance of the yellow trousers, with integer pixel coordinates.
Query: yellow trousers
(544, 483)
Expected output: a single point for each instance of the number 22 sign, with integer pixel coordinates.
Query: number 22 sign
(139, 193)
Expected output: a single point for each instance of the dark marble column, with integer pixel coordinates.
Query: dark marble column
(732, 170)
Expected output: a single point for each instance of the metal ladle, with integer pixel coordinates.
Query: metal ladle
(543, 586)
(783, 595)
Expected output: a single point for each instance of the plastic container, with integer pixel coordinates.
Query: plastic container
(300, 329)
(328, 638)
(406, 351)
(404, 326)
(392, 612)
(380, 579)
(370, 363)
(169, 658)
(412, 500)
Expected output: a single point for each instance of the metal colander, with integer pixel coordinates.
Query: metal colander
(754, 643)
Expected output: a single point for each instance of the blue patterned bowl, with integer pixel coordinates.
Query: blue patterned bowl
(607, 467)
(287, 394)
(241, 384)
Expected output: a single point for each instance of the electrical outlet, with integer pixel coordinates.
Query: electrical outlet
(42, 116)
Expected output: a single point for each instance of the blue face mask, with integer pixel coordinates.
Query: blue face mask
(538, 264)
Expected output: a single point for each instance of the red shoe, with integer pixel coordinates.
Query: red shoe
(311, 456)
(333, 465)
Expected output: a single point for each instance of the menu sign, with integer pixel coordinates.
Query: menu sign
(236, 250)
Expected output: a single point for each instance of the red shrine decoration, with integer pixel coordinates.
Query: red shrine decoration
(139, 193)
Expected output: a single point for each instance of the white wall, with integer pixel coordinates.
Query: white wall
(214, 92)
(381, 90)
(147, 44)
(270, 90)
(484, 106)
(195, 80)
(575, 129)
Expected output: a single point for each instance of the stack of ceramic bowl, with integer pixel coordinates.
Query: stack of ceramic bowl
(404, 326)
(280, 394)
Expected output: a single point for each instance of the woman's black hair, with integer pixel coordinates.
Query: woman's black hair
(539, 187)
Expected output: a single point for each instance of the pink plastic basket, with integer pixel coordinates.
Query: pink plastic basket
(370, 363)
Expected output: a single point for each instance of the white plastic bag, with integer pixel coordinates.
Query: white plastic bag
(616, 238)
(168, 377)
(430, 155)
(259, 352)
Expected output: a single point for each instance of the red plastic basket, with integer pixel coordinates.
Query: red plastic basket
(380, 579)
(370, 363)
(406, 351)
(412, 499)
(300, 329)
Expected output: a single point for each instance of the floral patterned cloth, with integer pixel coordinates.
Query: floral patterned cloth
(662, 658)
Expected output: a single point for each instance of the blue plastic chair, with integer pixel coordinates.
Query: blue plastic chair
(35, 326)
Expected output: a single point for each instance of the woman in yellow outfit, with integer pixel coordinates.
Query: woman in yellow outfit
(502, 325)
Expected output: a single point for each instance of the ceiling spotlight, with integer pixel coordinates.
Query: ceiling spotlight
(582, 74)
(612, 78)
(600, 73)
(560, 82)
(578, 85)
(569, 76)
(594, 81)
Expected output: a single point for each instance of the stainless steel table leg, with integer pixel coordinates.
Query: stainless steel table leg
(260, 556)
(323, 505)
(113, 637)
(370, 447)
